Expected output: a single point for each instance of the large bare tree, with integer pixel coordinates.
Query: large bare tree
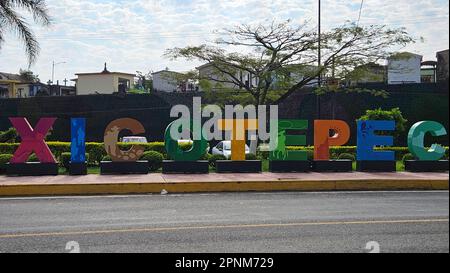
(284, 55)
(11, 20)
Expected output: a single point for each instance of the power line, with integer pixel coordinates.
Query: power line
(360, 12)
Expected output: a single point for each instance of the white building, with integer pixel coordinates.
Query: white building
(220, 81)
(171, 81)
(404, 67)
(105, 82)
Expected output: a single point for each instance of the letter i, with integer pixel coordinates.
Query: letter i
(78, 136)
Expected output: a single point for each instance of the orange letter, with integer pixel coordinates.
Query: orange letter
(323, 140)
(112, 133)
(238, 129)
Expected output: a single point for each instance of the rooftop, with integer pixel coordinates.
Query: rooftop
(105, 72)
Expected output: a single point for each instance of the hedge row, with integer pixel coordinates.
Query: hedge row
(96, 150)
(335, 152)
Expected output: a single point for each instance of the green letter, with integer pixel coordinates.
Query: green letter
(176, 153)
(416, 138)
(280, 153)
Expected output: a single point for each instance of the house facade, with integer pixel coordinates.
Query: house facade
(442, 73)
(219, 81)
(171, 81)
(104, 82)
(14, 86)
(369, 73)
(404, 68)
(8, 85)
(428, 72)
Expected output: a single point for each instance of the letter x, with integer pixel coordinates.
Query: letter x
(33, 140)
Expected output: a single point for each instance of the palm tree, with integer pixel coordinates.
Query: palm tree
(11, 20)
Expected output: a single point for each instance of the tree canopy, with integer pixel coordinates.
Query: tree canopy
(394, 114)
(11, 20)
(284, 55)
(28, 76)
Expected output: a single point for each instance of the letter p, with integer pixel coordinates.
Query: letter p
(323, 140)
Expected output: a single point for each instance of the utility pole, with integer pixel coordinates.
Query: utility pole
(319, 58)
(53, 70)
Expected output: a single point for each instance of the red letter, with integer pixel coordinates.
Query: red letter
(323, 140)
(33, 140)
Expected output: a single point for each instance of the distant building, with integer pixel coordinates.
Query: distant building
(171, 81)
(104, 82)
(28, 90)
(369, 73)
(300, 72)
(61, 90)
(8, 84)
(442, 66)
(404, 68)
(219, 81)
(428, 72)
(14, 86)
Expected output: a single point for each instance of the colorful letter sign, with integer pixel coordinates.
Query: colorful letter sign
(238, 128)
(368, 140)
(416, 139)
(33, 140)
(280, 153)
(323, 140)
(174, 150)
(78, 137)
(112, 133)
(371, 139)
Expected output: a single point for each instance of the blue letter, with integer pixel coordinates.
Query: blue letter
(78, 146)
(367, 140)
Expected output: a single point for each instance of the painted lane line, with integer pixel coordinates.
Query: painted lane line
(164, 229)
(74, 197)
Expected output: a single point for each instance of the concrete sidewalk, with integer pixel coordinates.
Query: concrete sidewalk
(155, 183)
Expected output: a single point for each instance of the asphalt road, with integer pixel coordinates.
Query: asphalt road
(234, 222)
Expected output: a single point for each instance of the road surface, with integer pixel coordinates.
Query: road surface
(232, 222)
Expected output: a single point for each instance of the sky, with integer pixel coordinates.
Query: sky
(132, 35)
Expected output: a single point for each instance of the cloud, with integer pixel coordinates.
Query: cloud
(133, 35)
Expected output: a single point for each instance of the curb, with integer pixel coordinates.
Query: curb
(204, 187)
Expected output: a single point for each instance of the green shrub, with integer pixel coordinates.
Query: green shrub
(250, 157)
(347, 156)
(33, 158)
(155, 146)
(106, 158)
(4, 159)
(96, 151)
(393, 114)
(9, 135)
(155, 160)
(206, 156)
(310, 154)
(214, 158)
(407, 157)
(263, 154)
(64, 159)
(185, 146)
(8, 148)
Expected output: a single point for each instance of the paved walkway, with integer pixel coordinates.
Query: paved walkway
(155, 183)
(214, 177)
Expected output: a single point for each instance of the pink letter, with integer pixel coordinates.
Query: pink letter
(33, 140)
